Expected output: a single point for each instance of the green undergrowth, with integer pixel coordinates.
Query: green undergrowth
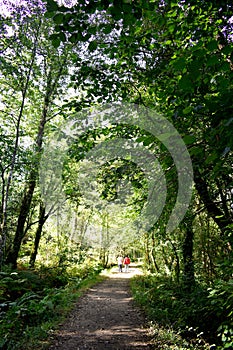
(33, 303)
(200, 319)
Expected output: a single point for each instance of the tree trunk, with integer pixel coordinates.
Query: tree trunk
(42, 219)
(2, 233)
(29, 190)
(3, 226)
(28, 193)
(24, 210)
(188, 273)
(147, 251)
(214, 211)
(177, 266)
(153, 253)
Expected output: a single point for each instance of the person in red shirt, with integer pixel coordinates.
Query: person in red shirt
(126, 263)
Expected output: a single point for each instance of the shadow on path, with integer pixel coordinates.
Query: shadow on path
(105, 318)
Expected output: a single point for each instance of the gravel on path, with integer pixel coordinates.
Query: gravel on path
(105, 317)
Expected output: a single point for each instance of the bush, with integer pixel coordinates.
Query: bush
(193, 315)
(31, 302)
(14, 284)
(221, 298)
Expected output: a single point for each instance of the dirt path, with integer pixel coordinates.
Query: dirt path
(105, 318)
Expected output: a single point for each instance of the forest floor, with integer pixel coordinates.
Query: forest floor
(105, 317)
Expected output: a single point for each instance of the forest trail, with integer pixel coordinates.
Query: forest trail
(105, 318)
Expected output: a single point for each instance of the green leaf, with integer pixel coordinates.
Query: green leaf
(49, 14)
(212, 45)
(107, 29)
(56, 42)
(189, 139)
(58, 18)
(196, 151)
(55, 38)
(212, 60)
(185, 83)
(194, 68)
(187, 110)
(73, 38)
(200, 52)
(172, 13)
(179, 63)
(52, 6)
(62, 37)
(171, 28)
(227, 49)
(140, 139)
(93, 45)
(116, 12)
(92, 30)
(148, 140)
(223, 82)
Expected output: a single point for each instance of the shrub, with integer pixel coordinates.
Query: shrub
(221, 298)
(32, 301)
(167, 304)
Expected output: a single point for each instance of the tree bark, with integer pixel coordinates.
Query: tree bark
(147, 251)
(30, 186)
(3, 226)
(177, 266)
(24, 209)
(33, 176)
(214, 211)
(153, 253)
(187, 249)
(42, 219)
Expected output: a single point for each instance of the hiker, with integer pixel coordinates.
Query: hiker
(120, 263)
(126, 263)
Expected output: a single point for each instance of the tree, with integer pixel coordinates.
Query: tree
(173, 56)
(17, 79)
(39, 75)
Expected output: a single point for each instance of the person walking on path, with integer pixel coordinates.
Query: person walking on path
(120, 263)
(126, 263)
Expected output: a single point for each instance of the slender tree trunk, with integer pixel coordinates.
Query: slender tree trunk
(3, 226)
(107, 242)
(25, 206)
(154, 261)
(223, 199)
(104, 241)
(177, 266)
(27, 199)
(147, 251)
(28, 193)
(42, 219)
(2, 233)
(153, 253)
(168, 260)
(30, 186)
(188, 272)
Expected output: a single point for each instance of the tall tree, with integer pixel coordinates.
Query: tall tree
(40, 76)
(17, 78)
(176, 57)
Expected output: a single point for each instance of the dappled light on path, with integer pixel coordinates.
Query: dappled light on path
(114, 273)
(105, 318)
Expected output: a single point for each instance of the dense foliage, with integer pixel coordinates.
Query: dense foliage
(33, 303)
(201, 317)
(59, 61)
